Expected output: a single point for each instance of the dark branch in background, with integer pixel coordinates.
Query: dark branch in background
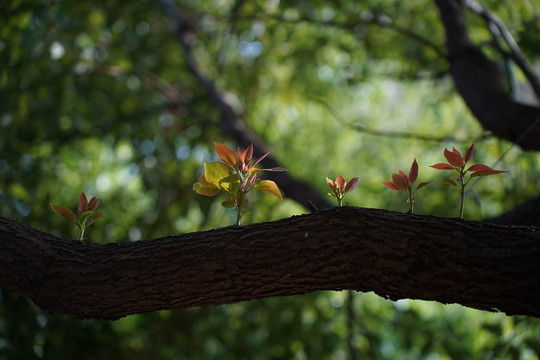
(231, 124)
(478, 80)
(498, 29)
(483, 266)
(527, 213)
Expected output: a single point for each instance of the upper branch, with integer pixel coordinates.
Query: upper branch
(484, 266)
(233, 125)
(478, 80)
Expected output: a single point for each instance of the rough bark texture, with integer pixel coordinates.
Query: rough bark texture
(484, 266)
(478, 80)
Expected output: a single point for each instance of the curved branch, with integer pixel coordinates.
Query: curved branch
(478, 80)
(497, 27)
(484, 266)
(231, 124)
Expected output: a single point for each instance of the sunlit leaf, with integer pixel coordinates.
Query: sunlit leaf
(203, 187)
(223, 176)
(268, 186)
(64, 212)
(340, 182)
(226, 154)
(442, 166)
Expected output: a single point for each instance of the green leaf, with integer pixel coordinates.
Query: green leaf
(64, 212)
(448, 181)
(84, 218)
(228, 204)
(203, 187)
(223, 176)
(270, 187)
(94, 218)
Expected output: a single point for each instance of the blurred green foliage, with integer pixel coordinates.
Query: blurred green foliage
(97, 97)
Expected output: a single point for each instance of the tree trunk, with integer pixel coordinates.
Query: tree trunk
(478, 80)
(484, 266)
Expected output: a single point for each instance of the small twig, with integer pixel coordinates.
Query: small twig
(497, 28)
(386, 133)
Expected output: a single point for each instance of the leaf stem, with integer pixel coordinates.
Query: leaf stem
(462, 193)
(82, 233)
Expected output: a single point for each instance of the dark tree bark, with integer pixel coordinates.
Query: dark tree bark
(526, 214)
(483, 266)
(478, 80)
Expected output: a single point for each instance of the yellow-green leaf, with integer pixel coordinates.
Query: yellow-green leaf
(64, 212)
(203, 187)
(223, 176)
(268, 186)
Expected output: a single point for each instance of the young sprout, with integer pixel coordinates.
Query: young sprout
(404, 182)
(86, 212)
(236, 175)
(341, 187)
(457, 162)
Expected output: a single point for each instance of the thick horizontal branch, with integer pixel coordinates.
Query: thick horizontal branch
(483, 266)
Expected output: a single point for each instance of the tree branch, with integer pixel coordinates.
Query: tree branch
(231, 124)
(478, 80)
(497, 28)
(484, 266)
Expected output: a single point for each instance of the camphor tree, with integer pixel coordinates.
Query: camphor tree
(124, 102)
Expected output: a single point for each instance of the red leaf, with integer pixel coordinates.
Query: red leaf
(468, 154)
(400, 182)
(404, 176)
(487, 173)
(453, 158)
(390, 185)
(64, 212)
(245, 156)
(421, 185)
(351, 184)
(413, 174)
(480, 167)
(331, 184)
(83, 203)
(442, 166)
(454, 150)
(340, 182)
(93, 204)
(226, 154)
(260, 159)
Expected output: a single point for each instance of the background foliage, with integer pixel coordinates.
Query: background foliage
(97, 97)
